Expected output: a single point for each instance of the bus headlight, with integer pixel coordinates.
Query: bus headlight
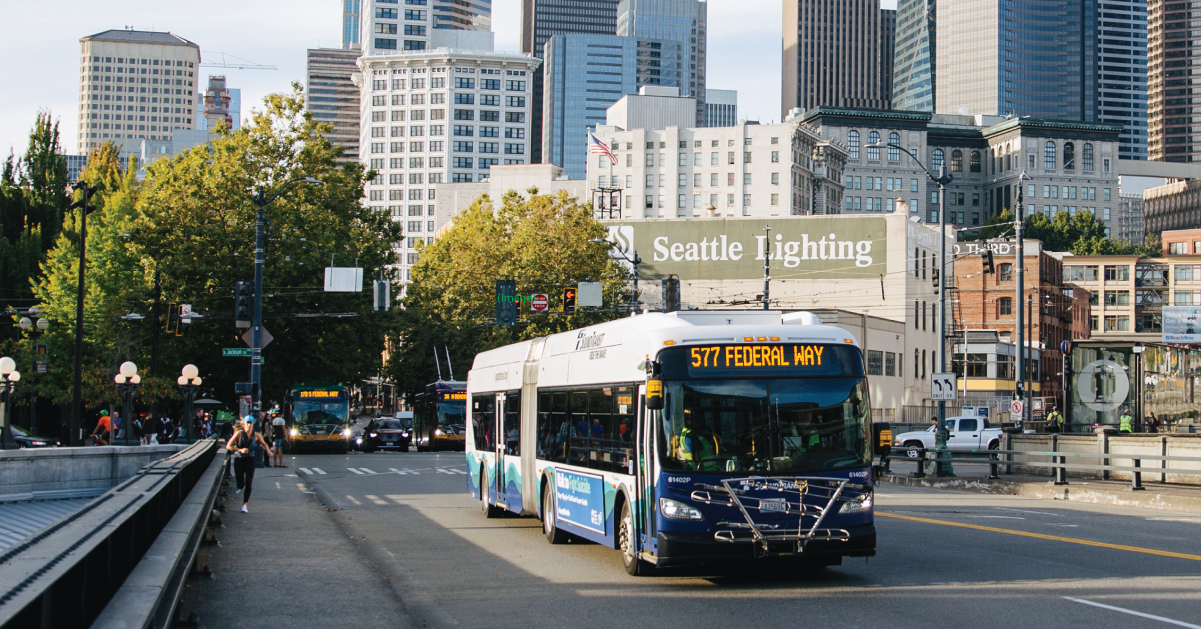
(294, 432)
(346, 432)
(438, 432)
(857, 505)
(676, 510)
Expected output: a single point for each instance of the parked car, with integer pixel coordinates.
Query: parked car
(965, 435)
(386, 434)
(25, 439)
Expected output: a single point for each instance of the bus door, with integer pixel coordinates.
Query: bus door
(645, 474)
(498, 448)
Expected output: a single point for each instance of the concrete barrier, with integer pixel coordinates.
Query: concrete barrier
(46, 472)
(1119, 450)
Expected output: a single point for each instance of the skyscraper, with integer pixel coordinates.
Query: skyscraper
(682, 22)
(350, 24)
(888, 41)
(585, 74)
(1173, 81)
(1011, 57)
(1122, 72)
(135, 86)
(388, 29)
(913, 56)
(833, 54)
(333, 98)
(721, 108)
(217, 101)
(543, 19)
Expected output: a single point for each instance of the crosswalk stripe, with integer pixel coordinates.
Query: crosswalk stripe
(443, 471)
(355, 471)
(354, 500)
(405, 471)
(306, 471)
(366, 470)
(376, 500)
(319, 470)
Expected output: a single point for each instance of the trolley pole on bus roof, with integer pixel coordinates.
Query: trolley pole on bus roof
(260, 242)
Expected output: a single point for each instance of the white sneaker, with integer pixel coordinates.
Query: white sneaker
(237, 491)
(244, 509)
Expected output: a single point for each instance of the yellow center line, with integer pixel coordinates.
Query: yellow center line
(1054, 538)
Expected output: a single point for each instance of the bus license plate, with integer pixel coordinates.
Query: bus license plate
(778, 506)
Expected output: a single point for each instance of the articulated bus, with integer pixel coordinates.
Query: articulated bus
(682, 438)
(440, 416)
(318, 417)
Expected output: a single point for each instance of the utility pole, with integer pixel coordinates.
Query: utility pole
(74, 437)
(1019, 330)
(256, 325)
(767, 268)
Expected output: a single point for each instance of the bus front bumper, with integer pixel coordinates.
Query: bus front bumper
(682, 549)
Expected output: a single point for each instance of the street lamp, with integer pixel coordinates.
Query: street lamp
(39, 359)
(262, 199)
(8, 379)
(75, 433)
(189, 386)
(942, 180)
(635, 262)
(127, 380)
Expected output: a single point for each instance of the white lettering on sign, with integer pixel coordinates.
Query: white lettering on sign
(588, 342)
(597, 354)
(791, 252)
(719, 249)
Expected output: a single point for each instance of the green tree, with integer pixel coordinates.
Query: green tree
(194, 223)
(542, 243)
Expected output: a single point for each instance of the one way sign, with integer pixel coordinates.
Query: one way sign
(944, 387)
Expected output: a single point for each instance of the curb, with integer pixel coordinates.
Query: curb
(1076, 491)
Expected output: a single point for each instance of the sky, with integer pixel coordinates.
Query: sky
(744, 49)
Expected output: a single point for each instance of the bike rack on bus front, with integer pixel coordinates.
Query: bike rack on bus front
(791, 491)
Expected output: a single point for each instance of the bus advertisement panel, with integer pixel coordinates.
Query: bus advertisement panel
(318, 418)
(755, 441)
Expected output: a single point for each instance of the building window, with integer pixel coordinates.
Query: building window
(873, 148)
(1005, 272)
(974, 164)
(875, 363)
(1049, 156)
(1088, 157)
(1005, 306)
(894, 153)
(853, 144)
(1069, 156)
(939, 157)
(890, 364)
(957, 161)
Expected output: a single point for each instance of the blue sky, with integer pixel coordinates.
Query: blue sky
(40, 49)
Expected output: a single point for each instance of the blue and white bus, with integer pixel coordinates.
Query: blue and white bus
(681, 438)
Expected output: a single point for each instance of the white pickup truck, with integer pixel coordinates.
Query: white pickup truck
(966, 434)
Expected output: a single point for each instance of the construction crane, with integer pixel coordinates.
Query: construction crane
(230, 61)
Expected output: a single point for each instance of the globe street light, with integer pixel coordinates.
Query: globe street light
(127, 385)
(8, 379)
(39, 358)
(189, 386)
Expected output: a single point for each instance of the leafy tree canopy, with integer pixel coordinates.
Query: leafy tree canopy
(1081, 234)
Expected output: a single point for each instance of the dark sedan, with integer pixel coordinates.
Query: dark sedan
(386, 434)
(26, 439)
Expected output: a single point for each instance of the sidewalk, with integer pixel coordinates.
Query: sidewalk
(974, 478)
(286, 564)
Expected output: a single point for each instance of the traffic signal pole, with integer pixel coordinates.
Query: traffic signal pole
(256, 325)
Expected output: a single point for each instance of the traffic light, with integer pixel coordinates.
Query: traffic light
(506, 302)
(172, 318)
(242, 304)
(986, 261)
(671, 294)
(569, 295)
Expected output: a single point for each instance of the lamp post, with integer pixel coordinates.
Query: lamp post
(189, 386)
(262, 199)
(635, 262)
(39, 363)
(127, 380)
(942, 180)
(76, 434)
(8, 379)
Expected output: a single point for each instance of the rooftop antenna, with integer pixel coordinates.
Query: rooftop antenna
(448, 365)
(436, 362)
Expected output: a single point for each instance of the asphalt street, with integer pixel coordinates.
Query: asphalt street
(395, 540)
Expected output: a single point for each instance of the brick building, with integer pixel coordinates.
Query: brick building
(984, 301)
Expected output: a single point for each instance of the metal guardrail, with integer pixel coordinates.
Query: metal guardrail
(66, 574)
(1058, 463)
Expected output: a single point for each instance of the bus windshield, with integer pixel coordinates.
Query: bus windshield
(770, 425)
(452, 413)
(310, 413)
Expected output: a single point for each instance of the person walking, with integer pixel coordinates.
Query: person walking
(1152, 422)
(166, 430)
(1125, 422)
(277, 434)
(242, 445)
(1054, 421)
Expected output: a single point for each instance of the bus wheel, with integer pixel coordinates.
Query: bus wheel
(552, 532)
(625, 542)
(490, 510)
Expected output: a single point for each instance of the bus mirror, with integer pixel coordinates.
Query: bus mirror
(654, 395)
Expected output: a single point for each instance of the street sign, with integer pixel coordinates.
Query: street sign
(248, 337)
(244, 352)
(944, 387)
(540, 302)
(1015, 410)
(589, 294)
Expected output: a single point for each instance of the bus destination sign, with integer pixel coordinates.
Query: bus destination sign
(750, 356)
(455, 396)
(754, 360)
(318, 394)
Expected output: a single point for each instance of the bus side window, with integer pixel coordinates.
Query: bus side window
(512, 422)
(601, 452)
(483, 420)
(580, 429)
(560, 428)
(542, 425)
(623, 427)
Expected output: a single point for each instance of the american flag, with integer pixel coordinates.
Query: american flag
(596, 147)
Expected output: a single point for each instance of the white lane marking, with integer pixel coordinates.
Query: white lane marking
(1067, 526)
(1170, 621)
(291, 476)
(319, 470)
(376, 499)
(277, 486)
(366, 470)
(1190, 520)
(354, 500)
(404, 471)
(307, 471)
(997, 517)
(355, 471)
(449, 470)
(1057, 515)
(442, 471)
(300, 486)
